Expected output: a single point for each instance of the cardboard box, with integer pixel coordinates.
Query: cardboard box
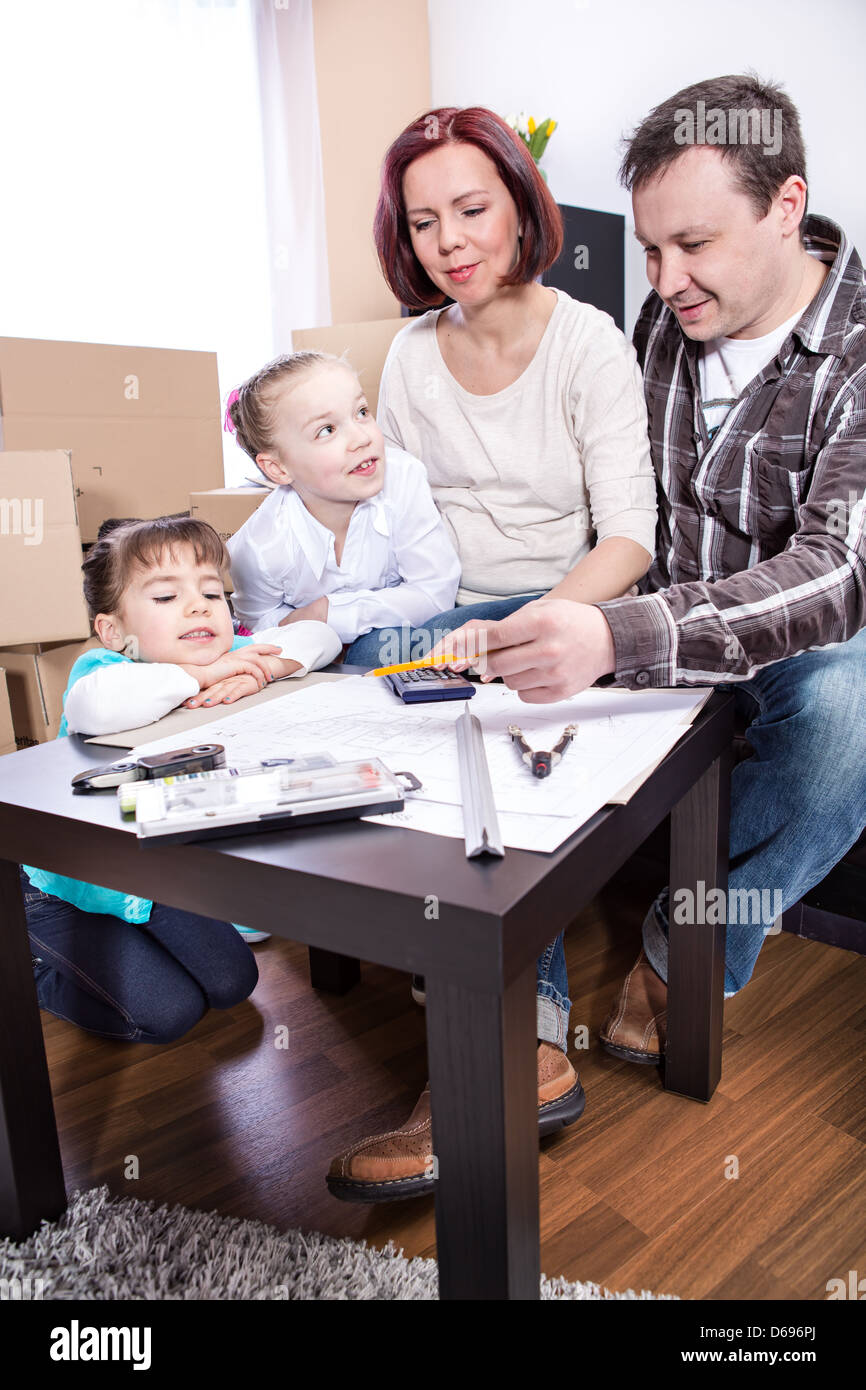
(36, 677)
(365, 344)
(7, 733)
(227, 508)
(143, 424)
(41, 593)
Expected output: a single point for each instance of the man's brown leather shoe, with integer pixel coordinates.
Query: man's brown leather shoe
(399, 1163)
(635, 1028)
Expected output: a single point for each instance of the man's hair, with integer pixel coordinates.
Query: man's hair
(536, 206)
(742, 98)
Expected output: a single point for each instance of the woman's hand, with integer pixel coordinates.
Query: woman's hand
(248, 661)
(609, 571)
(316, 612)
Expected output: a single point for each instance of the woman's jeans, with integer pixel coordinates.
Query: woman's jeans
(384, 647)
(134, 982)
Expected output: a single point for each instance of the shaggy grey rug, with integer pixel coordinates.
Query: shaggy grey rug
(118, 1248)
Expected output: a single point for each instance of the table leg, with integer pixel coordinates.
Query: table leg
(334, 973)
(484, 1091)
(696, 959)
(31, 1174)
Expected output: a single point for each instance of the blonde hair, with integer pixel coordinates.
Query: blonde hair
(251, 411)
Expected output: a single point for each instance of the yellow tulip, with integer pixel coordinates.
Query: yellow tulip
(551, 127)
(531, 125)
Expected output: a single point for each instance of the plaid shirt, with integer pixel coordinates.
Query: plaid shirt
(761, 539)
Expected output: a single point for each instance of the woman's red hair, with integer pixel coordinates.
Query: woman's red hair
(536, 208)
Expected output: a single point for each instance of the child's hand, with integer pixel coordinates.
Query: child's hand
(248, 661)
(317, 612)
(225, 692)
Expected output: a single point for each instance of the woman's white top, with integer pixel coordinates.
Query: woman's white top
(398, 564)
(528, 478)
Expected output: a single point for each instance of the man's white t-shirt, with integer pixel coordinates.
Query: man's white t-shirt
(727, 365)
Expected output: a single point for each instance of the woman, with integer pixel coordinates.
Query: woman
(527, 409)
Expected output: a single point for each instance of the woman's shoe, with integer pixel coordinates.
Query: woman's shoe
(397, 1164)
(251, 936)
(391, 1166)
(561, 1097)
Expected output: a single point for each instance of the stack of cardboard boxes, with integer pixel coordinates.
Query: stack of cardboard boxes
(90, 431)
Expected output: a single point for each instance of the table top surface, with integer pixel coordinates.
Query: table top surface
(37, 780)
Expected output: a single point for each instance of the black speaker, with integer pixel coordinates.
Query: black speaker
(591, 265)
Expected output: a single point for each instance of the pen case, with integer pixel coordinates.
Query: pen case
(210, 806)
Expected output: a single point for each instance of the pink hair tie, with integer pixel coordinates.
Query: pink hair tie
(228, 422)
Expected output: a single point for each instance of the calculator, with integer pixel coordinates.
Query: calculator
(430, 683)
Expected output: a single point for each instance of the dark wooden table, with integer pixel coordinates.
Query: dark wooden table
(357, 892)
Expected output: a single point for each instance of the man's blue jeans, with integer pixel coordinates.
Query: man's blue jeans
(378, 648)
(134, 982)
(798, 803)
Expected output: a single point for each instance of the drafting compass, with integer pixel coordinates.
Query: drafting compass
(542, 764)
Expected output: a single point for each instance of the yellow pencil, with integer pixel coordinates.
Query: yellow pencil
(412, 665)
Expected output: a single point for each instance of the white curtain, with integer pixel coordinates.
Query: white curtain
(139, 205)
(293, 166)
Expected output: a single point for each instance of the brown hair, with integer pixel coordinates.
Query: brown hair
(741, 98)
(127, 544)
(536, 207)
(251, 412)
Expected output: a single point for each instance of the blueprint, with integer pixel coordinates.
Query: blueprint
(621, 735)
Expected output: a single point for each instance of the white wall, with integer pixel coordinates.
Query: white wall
(598, 68)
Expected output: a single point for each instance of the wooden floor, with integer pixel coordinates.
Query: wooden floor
(640, 1193)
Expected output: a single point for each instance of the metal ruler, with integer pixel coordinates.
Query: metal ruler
(480, 822)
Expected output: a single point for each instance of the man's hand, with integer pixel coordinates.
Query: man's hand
(247, 661)
(548, 650)
(317, 611)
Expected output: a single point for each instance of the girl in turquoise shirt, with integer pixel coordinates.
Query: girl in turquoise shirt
(117, 965)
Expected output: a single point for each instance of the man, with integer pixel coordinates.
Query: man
(753, 349)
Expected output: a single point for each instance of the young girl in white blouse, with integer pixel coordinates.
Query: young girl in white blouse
(350, 535)
(117, 965)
